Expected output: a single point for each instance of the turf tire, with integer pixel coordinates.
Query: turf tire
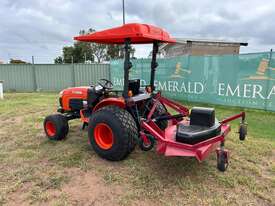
(242, 132)
(221, 162)
(124, 129)
(61, 125)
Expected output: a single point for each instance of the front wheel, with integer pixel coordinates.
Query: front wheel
(56, 126)
(112, 133)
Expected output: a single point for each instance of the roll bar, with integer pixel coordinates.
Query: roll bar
(128, 65)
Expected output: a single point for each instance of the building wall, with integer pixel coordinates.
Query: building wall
(200, 48)
(214, 49)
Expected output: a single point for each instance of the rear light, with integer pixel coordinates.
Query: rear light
(130, 93)
(148, 89)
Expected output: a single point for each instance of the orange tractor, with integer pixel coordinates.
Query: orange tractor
(119, 120)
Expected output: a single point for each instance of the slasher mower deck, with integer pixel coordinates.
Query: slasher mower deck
(119, 120)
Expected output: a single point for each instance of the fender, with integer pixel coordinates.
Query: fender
(120, 102)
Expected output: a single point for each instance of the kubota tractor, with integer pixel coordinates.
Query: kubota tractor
(119, 120)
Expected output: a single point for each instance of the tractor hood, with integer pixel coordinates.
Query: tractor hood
(137, 33)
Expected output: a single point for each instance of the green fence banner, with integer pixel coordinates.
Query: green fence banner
(245, 80)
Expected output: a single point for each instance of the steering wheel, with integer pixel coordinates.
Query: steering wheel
(105, 83)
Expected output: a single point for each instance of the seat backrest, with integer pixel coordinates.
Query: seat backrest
(202, 116)
(134, 86)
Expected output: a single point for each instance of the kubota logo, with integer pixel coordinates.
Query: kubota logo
(77, 92)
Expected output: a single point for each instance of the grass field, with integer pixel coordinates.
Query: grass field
(34, 170)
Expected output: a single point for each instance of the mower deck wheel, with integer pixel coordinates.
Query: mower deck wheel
(56, 126)
(242, 132)
(222, 160)
(147, 144)
(112, 133)
(160, 110)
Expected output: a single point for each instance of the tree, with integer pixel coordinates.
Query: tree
(84, 51)
(100, 51)
(114, 51)
(58, 60)
(17, 61)
(68, 53)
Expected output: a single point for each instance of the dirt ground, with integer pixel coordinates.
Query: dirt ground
(34, 170)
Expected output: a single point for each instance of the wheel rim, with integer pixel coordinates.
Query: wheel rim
(103, 135)
(146, 143)
(50, 128)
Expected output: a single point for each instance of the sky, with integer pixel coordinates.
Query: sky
(41, 28)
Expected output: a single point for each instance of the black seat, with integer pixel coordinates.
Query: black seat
(134, 86)
(203, 126)
(193, 134)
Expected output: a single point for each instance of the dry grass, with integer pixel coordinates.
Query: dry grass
(34, 170)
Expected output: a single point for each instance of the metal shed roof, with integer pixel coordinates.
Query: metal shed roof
(186, 40)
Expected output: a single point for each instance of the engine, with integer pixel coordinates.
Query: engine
(73, 99)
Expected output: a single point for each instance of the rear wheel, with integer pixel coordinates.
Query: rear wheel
(112, 133)
(160, 110)
(56, 127)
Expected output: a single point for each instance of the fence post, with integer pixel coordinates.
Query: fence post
(268, 75)
(73, 75)
(1, 89)
(109, 70)
(34, 75)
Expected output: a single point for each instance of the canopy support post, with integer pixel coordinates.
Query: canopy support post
(127, 67)
(154, 65)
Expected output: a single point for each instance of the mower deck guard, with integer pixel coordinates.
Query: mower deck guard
(171, 147)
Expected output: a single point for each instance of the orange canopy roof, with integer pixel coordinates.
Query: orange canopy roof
(137, 33)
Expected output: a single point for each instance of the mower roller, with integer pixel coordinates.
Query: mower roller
(119, 120)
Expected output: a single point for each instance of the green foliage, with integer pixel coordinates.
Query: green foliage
(58, 60)
(92, 52)
(17, 61)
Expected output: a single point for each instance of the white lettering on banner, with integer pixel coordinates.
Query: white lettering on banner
(245, 91)
(118, 82)
(257, 89)
(197, 85)
(232, 93)
(173, 86)
(221, 88)
(272, 92)
(162, 86)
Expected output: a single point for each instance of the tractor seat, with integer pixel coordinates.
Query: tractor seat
(134, 86)
(193, 134)
(203, 126)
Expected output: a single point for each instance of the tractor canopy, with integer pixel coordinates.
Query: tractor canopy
(135, 32)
